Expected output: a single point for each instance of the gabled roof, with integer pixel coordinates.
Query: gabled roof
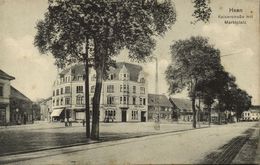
(5, 76)
(158, 100)
(133, 69)
(15, 94)
(184, 104)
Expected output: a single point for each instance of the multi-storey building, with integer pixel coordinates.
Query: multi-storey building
(5, 92)
(123, 96)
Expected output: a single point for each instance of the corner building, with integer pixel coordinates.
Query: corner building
(123, 95)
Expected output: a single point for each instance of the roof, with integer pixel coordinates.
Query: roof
(77, 69)
(161, 100)
(184, 104)
(5, 76)
(133, 69)
(18, 95)
(255, 107)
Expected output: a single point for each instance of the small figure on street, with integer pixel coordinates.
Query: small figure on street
(70, 122)
(83, 122)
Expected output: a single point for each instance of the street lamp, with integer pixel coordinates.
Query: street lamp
(157, 99)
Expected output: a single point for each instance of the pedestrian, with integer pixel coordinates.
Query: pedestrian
(83, 122)
(70, 122)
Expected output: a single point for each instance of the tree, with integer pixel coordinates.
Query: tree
(111, 25)
(214, 87)
(194, 60)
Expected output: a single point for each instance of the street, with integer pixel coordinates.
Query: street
(190, 146)
(28, 138)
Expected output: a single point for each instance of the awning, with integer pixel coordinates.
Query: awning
(56, 112)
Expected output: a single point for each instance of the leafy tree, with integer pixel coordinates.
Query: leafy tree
(214, 87)
(194, 60)
(202, 10)
(69, 25)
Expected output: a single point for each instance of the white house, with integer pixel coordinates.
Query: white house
(123, 97)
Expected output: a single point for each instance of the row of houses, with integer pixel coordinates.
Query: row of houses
(124, 97)
(15, 107)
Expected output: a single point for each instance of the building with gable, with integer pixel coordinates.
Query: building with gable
(159, 107)
(123, 97)
(5, 92)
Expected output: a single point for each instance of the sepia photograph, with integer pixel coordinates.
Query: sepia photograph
(114, 82)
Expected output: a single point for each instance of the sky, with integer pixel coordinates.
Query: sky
(35, 73)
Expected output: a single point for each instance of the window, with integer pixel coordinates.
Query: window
(110, 89)
(92, 89)
(124, 75)
(134, 115)
(79, 89)
(143, 101)
(67, 89)
(57, 92)
(110, 100)
(53, 102)
(53, 93)
(142, 80)
(121, 100)
(126, 88)
(93, 77)
(67, 101)
(57, 102)
(142, 90)
(61, 91)
(61, 101)
(111, 77)
(110, 114)
(121, 88)
(134, 89)
(80, 78)
(134, 100)
(125, 100)
(79, 100)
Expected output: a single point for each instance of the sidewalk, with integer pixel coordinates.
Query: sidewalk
(30, 138)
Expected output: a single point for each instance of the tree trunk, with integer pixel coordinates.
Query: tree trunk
(87, 115)
(86, 65)
(209, 115)
(97, 94)
(194, 112)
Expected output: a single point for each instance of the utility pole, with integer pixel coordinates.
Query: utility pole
(157, 99)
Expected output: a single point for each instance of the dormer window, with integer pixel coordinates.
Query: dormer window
(142, 80)
(111, 77)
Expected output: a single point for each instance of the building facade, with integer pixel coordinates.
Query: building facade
(5, 92)
(22, 109)
(159, 108)
(46, 109)
(183, 108)
(123, 97)
(253, 114)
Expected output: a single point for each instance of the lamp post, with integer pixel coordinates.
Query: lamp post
(157, 99)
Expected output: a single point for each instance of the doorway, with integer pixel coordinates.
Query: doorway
(123, 115)
(143, 118)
